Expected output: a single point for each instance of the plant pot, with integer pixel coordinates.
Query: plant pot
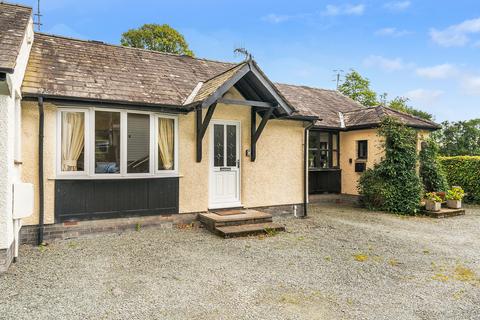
(454, 204)
(431, 205)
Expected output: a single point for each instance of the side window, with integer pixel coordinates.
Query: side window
(72, 141)
(362, 149)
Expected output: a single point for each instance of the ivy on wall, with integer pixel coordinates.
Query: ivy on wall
(464, 171)
(393, 184)
(431, 172)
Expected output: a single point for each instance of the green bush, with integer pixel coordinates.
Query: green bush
(464, 171)
(431, 171)
(393, 184)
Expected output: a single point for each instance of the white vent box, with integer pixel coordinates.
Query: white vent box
(22, 200)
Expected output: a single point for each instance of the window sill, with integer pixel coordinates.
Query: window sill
(324, 169)
(173, 175)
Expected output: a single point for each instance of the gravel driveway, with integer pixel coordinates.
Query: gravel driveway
(340, 263)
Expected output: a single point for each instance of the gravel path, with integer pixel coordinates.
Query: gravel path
(340, 263)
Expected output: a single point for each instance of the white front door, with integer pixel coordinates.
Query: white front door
(224, 164)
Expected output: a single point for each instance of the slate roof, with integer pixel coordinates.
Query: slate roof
(374, 115)
(13, 23)
(70, 68)
(65, 67)
(211, 85)
(323, 103)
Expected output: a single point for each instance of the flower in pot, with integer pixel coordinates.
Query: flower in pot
(454, 197)
(433, 202)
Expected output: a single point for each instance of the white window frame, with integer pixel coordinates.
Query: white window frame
(175, 146)
(89, 151)
(86, 134)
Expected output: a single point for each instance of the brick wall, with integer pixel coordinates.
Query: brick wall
(67, 230)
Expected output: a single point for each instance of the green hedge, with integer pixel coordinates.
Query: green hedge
(464, 171)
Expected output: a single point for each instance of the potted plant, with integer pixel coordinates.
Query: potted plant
(433, 202)
(454, 197)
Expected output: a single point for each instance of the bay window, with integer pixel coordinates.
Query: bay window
(106, 143)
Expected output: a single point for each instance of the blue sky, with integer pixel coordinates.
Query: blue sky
(425, 50)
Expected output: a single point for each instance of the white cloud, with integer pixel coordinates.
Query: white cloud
(456, 35)
(471, 84)
(348, 9)
(392, 32)
(441, 71)
(384, 63)
(397, 5)
(424, 96)
(276, 18)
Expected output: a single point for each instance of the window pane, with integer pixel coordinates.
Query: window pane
(323, 140)
(107, 142)
(334, 141)
(166, 144)
(335, 159)
(138, 143)
(362, 147)
(231, 146)
(323, 159)
(218, 145)
(73, 141)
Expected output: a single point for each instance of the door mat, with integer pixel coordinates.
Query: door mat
(228, 212)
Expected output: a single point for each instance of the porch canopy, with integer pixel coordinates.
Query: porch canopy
(258, 91)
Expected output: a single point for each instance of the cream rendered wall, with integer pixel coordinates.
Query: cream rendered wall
(10, 95)
(276, 176)
(348, 150)
(30, 117)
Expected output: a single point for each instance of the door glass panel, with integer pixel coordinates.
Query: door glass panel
(218, 145)
(138, 143)
(107, 142)
(231, 146)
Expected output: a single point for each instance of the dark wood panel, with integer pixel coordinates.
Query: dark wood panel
(101, 199)
(324, 181)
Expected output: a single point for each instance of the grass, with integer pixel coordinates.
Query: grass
(360, 257)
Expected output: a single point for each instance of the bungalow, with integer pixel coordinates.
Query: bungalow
(97, 131)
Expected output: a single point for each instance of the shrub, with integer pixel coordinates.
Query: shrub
(464, 171)
(456, 193)
(431, 171)
(433, 197)
(393, 185)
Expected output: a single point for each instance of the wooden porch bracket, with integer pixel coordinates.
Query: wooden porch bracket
(202, 125)
(256, 132)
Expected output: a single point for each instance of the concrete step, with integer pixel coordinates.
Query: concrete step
(212, 220)
(248, 229)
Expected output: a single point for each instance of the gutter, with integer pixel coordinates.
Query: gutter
(305, 171)
(41, 215)
(108, 103)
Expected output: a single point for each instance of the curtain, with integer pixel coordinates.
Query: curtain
(73, 124)
(165, 143)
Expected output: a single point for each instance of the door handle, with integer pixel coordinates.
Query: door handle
(238, 163)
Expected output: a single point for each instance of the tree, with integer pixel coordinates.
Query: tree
(461, 138)
(358, 88)
(156, 37)
(400, 104)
